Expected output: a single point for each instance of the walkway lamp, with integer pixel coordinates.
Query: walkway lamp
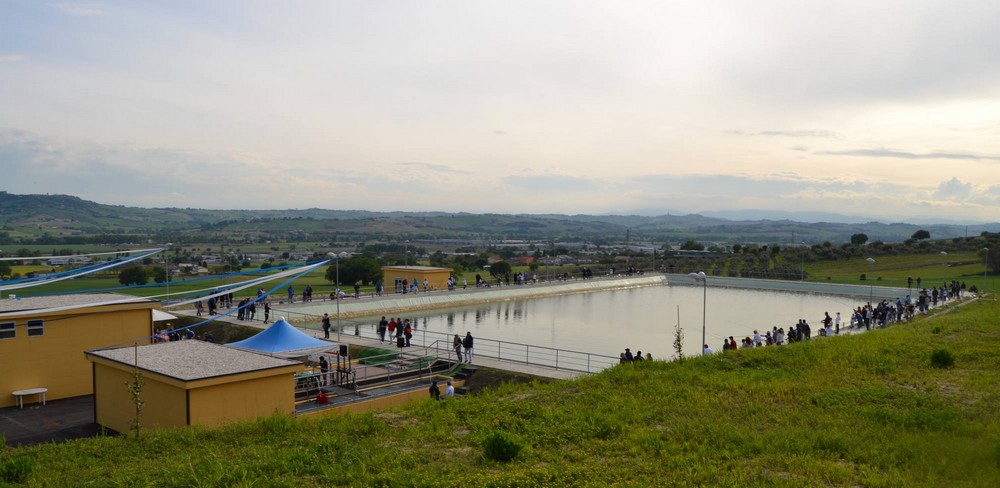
(700, 276)
(944, 256)
(336, 290)
(871, 283)
(986, 257)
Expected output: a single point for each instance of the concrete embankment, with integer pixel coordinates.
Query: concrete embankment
(400, 303)
(878, 292)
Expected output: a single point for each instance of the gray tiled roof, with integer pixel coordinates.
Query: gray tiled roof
(190, 360)
(38, 303)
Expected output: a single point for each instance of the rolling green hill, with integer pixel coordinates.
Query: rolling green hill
(56, 218)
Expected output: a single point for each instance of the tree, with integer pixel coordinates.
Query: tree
(5, 269)
(500, 269)
(993, 259)
(921, 234)
(159, 274)
(692, 246)
(859, 239)
(134, 275)
(359, 268)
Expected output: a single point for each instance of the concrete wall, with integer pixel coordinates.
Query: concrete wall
(383, 402)
(472, 296)
(55, 359)
(879, 292)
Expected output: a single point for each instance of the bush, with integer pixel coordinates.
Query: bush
(501, 446)
(16, 470)
(942, 358)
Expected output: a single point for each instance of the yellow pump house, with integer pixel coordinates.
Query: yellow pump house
(393, 276)
(190, 383)
(42, 340)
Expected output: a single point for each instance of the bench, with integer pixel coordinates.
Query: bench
(20, 394)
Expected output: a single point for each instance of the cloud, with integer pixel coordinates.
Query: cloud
(789, 133)
(889, 153)
(953, 189)
(79, 9)
(550, 183)
(10, 58)
(438, 168)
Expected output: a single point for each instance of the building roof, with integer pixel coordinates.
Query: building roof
(75, 300)
(417, 268)
(283, 340)
(191, 360)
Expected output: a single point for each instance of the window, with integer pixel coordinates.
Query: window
(7, 330)
(36, 328)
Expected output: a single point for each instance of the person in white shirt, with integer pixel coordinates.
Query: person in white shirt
(756, 338)
(449, 391)
(707, 351)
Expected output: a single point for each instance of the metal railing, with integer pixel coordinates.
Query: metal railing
(441, 344)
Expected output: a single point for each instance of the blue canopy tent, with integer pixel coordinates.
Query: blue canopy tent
(283, 341)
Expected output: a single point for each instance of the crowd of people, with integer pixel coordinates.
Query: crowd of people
(866, 316)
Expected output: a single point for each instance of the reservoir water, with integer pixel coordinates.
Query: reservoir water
(643, 318)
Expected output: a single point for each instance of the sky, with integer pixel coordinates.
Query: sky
(888, 109)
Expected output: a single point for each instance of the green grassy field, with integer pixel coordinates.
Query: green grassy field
(865, 410)
(932, 269)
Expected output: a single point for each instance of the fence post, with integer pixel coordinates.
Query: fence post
(557, 359)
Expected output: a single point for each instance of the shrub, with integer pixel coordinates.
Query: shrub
(501, 446)
(16, 470)
(942, 358)
(936, 330)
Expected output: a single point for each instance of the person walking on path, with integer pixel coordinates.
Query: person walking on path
(326, 326)
(407, 332)
(467, 345)
(267, 311)
(457, 345)
(291, 294)
(382, 325)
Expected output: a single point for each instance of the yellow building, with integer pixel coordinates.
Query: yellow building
(42, 339)
(190, 383)
(393, 276)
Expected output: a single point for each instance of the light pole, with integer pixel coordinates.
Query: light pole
(336, 290)
(803, 268)
(700, 276)
(944, 256)
(166, 267)
(871, 283)
(406, 264)
(986, 257)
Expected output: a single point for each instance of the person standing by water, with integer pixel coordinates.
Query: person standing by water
(467, 344)
(457, 345)
(434, 390)
(382, 325)
(326, 326)
(267, 311)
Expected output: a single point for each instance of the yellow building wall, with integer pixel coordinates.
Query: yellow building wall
(55, 360)
(437, 278)
(249, 399)
(165, 405)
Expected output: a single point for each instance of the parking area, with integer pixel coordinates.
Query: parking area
(56, 421)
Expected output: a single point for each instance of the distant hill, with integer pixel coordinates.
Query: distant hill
(28, 217)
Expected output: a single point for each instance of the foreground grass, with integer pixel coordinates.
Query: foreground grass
(866, 410)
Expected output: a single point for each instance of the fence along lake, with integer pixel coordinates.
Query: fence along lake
(606, 322)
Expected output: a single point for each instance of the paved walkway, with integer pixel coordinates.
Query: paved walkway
(57, 420)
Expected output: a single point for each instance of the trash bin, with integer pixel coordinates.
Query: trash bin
(400, 342)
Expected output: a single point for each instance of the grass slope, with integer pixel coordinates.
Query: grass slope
(867, 410)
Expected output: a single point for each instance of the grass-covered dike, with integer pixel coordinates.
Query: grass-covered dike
(866, 410)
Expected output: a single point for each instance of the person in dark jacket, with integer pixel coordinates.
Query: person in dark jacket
(467, 345)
